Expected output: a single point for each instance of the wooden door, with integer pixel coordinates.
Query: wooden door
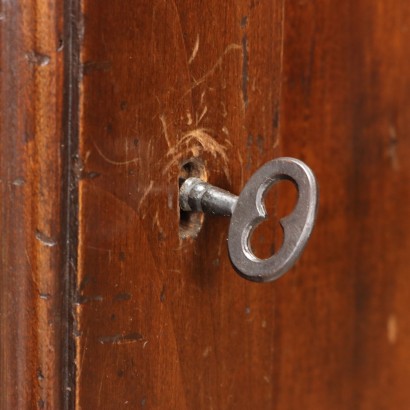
(111, 298)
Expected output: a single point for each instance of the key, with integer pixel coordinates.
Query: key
(247, 211)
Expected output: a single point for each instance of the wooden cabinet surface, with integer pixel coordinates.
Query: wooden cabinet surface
(110, 298)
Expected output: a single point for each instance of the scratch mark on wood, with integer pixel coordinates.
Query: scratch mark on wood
(81, 364)
(28, 259)
(111, 161)
(189, 118)
(121, 339)
(224, 112)
(165, 129)
(195, 50)
(212, 70)
(149, 148)
(201, 102)
(100, 388)
(44, 239)
(144, 196)
(157, 223)
(198, 120)
(183, 245)
(240, 159)
(195, 141)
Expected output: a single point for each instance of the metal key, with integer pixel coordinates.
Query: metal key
(247, 211)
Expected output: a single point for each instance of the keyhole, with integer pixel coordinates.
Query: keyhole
(280, 200)
(190, 223)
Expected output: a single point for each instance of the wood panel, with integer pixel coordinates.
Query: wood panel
(345, 110)
(164, 321)
(32, 241)
(161, 320)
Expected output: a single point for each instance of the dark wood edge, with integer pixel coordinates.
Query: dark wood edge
(72, 168)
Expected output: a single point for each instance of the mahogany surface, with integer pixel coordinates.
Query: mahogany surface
(105, 303)
(165, 322)
(33, 342)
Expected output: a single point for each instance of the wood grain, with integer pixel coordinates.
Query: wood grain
(345, 110)
(165, 322)
(31, 225)
(102, 103)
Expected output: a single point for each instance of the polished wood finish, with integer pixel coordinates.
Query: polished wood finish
(31, 184)
(344, 328)
(107, 300)
(164, 322)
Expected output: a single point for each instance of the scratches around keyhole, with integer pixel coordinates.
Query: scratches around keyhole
(190, 223)
(279, 201)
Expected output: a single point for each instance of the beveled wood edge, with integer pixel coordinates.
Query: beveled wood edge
(38, 200)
